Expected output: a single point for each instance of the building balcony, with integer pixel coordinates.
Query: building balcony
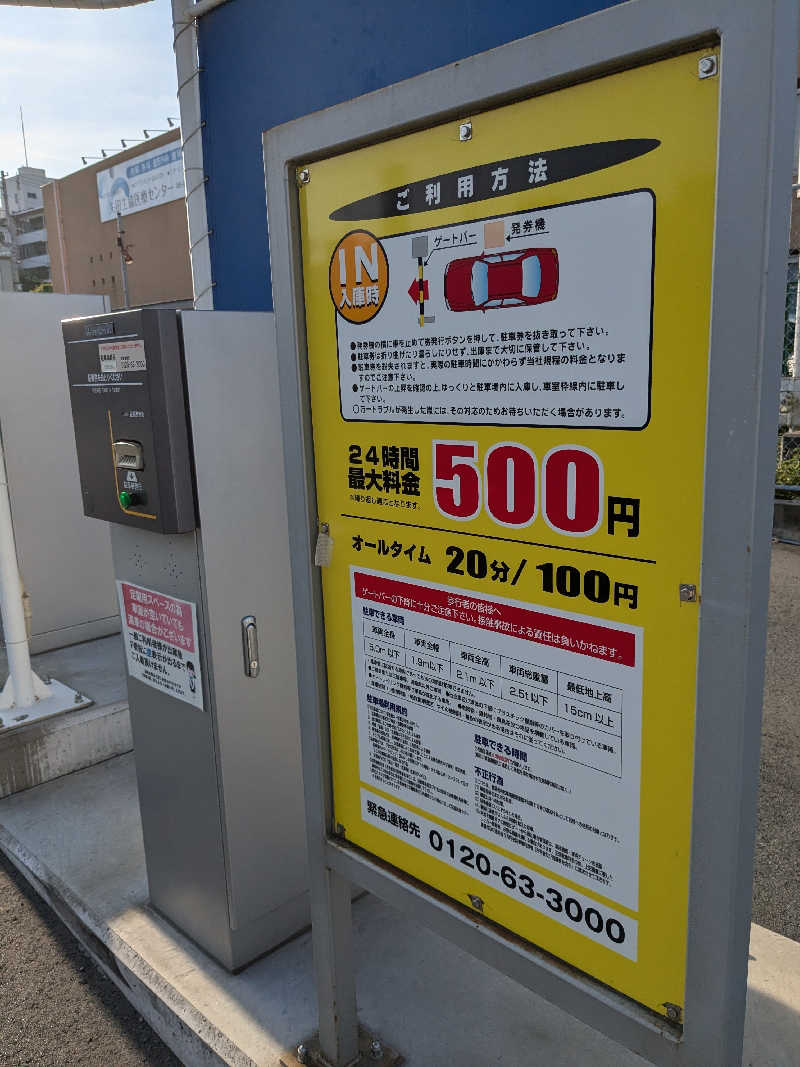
(33, 261)
(28, 236)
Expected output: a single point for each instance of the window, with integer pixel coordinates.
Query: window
(91, 259)
(113, 280)
(531, 277)
(480, 283)
(102, 281)
(34, 248)
(32, 196)
(94, 282)
(101, 257)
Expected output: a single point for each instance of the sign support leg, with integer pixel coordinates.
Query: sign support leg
(332, 938)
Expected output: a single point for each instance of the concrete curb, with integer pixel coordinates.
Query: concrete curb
(38, 752)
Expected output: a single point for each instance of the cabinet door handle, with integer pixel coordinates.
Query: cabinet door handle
(250, 646)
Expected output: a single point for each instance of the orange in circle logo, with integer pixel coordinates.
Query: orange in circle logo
(359, 276)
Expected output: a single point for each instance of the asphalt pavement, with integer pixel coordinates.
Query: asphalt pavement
(776, 890)
(57, 1009)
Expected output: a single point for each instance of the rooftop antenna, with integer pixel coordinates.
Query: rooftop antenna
(24, 142)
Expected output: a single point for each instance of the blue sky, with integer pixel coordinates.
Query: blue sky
(84, 80)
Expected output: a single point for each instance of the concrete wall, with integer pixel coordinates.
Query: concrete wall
(65, 558)
(84, 257)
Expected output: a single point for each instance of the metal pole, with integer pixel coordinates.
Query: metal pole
(11, 610)
(24, 142)
(795, 367)
(334, 969)
(123, 265)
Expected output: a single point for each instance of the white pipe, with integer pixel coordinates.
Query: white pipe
(11, 610)
(186, 59)
(89, 5)
(794, 369)
(202, 7)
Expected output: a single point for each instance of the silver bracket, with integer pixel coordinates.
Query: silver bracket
(372, 1052)
(304, 176)
(465, 131)
(687, 594)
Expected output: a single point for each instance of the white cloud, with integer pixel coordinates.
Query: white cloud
(84, 80)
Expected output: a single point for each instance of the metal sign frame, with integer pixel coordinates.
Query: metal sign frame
(757, 72)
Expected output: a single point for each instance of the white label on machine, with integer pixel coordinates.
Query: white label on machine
(161, 643)
(117, 357)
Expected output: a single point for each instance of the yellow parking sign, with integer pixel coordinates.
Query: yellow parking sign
(508, 331)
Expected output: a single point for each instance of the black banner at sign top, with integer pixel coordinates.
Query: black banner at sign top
(489, 180)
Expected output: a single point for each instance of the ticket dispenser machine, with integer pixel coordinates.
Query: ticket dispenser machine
(177, 426)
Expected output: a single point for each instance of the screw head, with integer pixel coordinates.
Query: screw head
(673, 1013)
(376, 1050)
(465, 131)
(302, 1054)
(707, 67)
(304, 176)
(476, 902)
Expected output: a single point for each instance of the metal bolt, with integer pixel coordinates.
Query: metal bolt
(476, 902)
(707, 67)
(673, 1012)
(302, 1054)
(687, 594)
(465, 131)
(376, 1050)
(304, 177)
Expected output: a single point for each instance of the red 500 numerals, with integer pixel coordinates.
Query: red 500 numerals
(509, 487)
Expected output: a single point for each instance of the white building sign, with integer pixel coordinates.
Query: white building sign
(153, 178)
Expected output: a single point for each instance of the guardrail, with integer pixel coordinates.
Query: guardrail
(776, 537)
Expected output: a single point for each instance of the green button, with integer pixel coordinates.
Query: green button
(125, 499)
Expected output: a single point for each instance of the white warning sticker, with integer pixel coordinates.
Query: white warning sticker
(521, 725)
(161, 643)
(538, 318)
(117, 357)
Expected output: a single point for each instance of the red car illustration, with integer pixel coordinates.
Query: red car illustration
(501, 280)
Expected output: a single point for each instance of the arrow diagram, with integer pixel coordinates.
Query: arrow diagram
(413, 290)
